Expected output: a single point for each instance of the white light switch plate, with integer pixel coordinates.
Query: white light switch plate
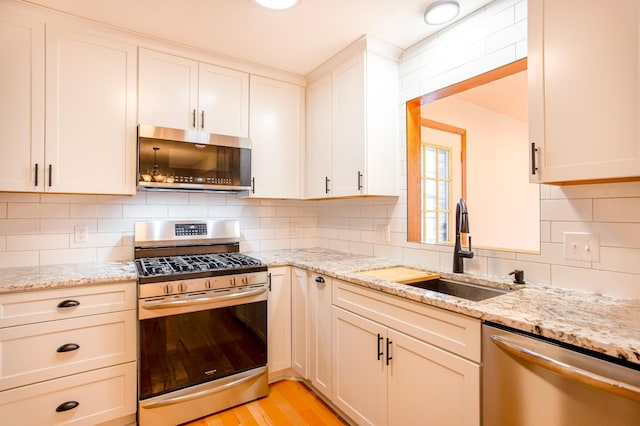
(581, 246)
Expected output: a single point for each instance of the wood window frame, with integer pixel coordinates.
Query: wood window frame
(414, 124)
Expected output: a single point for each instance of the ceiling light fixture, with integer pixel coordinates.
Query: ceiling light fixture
(277, 4)
(441, 12)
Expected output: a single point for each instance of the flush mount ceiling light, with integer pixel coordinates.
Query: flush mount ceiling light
(441, 12)
(277, 4)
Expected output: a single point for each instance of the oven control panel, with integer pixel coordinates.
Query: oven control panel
(185, 286)
(188, 229)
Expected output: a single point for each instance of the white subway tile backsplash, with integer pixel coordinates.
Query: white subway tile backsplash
(566, 210)
(619, 259)
(68, 199)
(13, 197)
(79, 255)
(225, 212)
(116, 225)
(114, 254)
(83, 210)
(596, 281)
(66, 226)
(145, 211)
(37, 210)
(187, 211)
(36, 242)
(616, 210)
(10, 259)
(19, 226)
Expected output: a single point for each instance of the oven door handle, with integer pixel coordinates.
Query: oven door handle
(180, 303)
(188, 394)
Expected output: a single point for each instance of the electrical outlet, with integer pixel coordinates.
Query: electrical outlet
(581, 246)
(81, 234)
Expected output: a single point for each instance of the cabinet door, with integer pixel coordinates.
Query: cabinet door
(168, 90)
(348, 155)
(319, 138)
(21, 102)
(275, 129)
(91, 91)
(359, 385)
(223, 101)
(430, 386)
(584, 107)
(300, 321)
(279, 320)
(320, 333)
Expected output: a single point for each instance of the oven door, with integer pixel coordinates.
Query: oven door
(199, 344)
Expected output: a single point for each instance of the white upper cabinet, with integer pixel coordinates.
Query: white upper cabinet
(352, 119)
(276, 132)
(90, 112)
(584, 107)
(83, 81)
(186, 94)
(21, 102)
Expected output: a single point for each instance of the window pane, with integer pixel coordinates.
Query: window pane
(443, 227)
(430, 227)
(430, 194)
(443, 164)
(443, 195)
(430, 162)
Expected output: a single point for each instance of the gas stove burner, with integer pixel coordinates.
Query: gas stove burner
(169, 265)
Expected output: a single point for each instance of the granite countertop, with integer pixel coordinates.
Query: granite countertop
(605, 324)
(69, 275)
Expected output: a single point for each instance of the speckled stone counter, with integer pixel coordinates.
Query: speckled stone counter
(604, 324)
(60, 276)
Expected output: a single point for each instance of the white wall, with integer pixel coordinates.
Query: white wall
(492, 37)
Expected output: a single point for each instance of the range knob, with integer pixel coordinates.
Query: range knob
(183, 287)
(167, 289)
(207, 284)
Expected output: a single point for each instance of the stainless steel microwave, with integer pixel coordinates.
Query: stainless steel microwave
(174, 159)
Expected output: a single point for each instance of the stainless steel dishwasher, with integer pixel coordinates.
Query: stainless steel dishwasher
(529, 381)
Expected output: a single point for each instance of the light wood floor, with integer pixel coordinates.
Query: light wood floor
(289, 403)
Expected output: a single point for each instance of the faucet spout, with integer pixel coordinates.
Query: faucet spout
(462, 227)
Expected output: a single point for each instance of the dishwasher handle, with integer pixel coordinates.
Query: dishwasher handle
(578, 374)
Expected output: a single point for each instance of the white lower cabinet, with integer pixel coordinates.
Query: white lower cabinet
(320, 333)
(386, 371)
(68, 356)
(311, 328)
(279, 322)
(300, 322)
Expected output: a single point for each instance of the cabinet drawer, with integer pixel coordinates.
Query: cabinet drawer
(102, 395)
(38, 306)
(448, 330)
(30, 352)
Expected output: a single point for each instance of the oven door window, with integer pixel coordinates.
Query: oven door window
(182, 350)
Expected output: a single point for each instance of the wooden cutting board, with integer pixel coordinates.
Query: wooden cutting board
(400, 274)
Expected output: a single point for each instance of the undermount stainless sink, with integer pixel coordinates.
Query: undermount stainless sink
(463, 290)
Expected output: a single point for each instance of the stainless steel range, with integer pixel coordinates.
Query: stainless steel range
(203, 320)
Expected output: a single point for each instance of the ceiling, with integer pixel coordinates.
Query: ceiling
(297, 40)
